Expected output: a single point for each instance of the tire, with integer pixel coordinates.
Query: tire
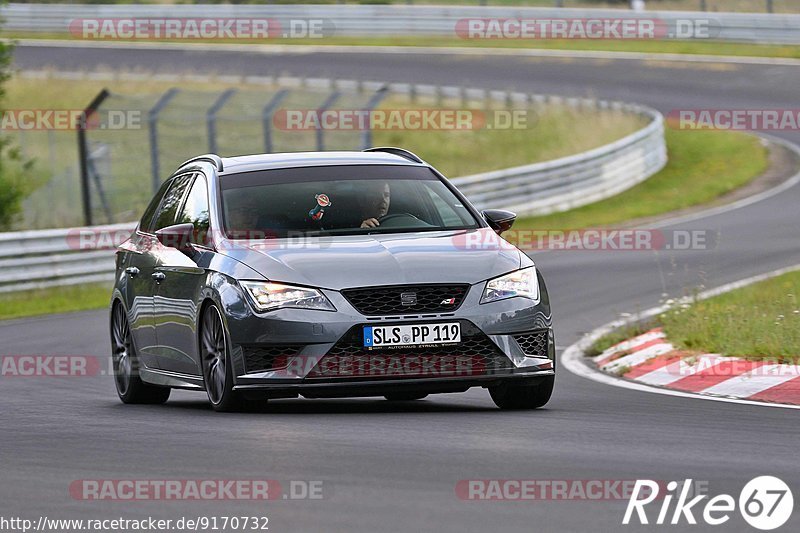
(404, 396)
(523, 397)
(130, 387)
(215, 359)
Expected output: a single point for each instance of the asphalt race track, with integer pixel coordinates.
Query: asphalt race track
(394, 467)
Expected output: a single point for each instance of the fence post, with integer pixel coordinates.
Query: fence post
(211, 118)
(329, 101)
(83, 154)
(375, 99)
(266, 118)
(95, 175)
(152, 131)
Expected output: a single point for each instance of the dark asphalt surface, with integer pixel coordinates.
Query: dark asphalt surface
(394, 467)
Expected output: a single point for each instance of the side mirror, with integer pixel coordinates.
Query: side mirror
(177, 236)
(499, 220)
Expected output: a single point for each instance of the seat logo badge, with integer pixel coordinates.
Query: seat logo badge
(408, 298)
(448, 301)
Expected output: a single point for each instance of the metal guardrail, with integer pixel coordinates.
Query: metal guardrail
(46, 258)
(577, 180)
(382, 20)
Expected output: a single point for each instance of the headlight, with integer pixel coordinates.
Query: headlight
(268, 296)
(522, 283)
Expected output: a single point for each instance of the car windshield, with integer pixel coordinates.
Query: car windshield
(339, 200)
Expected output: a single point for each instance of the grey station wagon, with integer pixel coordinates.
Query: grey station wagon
(326, 274)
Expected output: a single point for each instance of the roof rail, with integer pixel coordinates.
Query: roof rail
(210, 158)
(411, 156)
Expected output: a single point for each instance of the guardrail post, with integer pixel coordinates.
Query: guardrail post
(152, 131)
(266, 117)
(83, 154)
(211, 118)
(329, 101)
(375, 99)
(770, 7)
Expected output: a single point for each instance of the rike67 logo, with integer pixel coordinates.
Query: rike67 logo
(765, 502)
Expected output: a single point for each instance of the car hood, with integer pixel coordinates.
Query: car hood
(380, 259)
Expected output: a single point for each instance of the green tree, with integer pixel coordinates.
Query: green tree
(12, 184)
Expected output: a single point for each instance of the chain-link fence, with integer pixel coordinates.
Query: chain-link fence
(135, 141)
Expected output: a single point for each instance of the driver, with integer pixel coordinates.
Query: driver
(374, 203)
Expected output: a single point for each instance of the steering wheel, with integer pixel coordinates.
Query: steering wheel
(396, 217)
(402, 220)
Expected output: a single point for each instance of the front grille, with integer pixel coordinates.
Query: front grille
(261, 357)
(533, 344)
(398, 299)
(475, 355)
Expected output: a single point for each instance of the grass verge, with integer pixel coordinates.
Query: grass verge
(712, 48)
(761, 321)
(55, 300)
(549, 133)
(703, 165)
(758, 321)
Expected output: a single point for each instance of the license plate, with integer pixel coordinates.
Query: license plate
(411, 335)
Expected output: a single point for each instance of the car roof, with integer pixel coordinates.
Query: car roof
(250, 163)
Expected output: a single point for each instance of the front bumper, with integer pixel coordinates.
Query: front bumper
(302, 342)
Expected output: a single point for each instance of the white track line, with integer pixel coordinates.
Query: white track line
(573, 359)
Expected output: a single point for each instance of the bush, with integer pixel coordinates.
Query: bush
(13, 187)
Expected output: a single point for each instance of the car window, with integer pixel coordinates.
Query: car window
(147, 219)
(339, 200)
(168, 209)
(449, 213)
(195, 210)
